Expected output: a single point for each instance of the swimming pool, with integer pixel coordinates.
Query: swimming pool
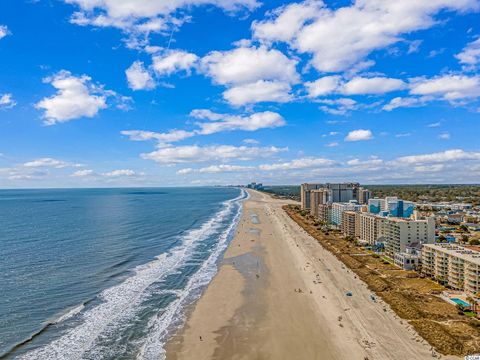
(460, 302)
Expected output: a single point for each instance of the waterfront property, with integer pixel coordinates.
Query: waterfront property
(455, 266)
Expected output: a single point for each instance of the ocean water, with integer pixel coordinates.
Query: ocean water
(106, 273)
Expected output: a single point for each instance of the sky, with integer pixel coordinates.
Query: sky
(106, 93)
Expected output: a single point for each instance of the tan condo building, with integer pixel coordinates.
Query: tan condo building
(452, 265)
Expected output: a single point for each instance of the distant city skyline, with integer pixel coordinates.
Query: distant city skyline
(102, 93)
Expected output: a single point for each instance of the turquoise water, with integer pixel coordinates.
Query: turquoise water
(460, 301)
(106, 273)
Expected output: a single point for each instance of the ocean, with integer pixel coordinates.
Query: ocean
(106, 273)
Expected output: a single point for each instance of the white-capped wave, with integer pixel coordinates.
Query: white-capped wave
(120, 301)
(153, 347)
(69, 314)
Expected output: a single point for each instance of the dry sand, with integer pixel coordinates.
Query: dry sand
(279, 295)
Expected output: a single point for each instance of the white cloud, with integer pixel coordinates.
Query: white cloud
(49, 162)
(7, 101)
(260, 91)
(214, 169)
(216, 123)
(332, 144)
(4, 31)
(173, 61)
(404, 102)
(195, 153)
(444, 136)
(359, 135)
(438, 157)
(341, 38)
(247, 65)
(339, 106)
(448, 87)
(76, 97)
(429, 168)
(285, 22)
(371, 164)
(374, 85)
(120, 173)
(251, 141)
(303, 163)
(185, 171)
(221, 122)
(323, 86)
(168, 137)
(138, 77)
(435, 124)
(470, 55)
(146, 16)
(82, 173)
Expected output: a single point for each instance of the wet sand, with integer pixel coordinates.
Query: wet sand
(279, 295)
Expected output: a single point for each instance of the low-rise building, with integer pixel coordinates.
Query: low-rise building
(455, 266)
(410, 259)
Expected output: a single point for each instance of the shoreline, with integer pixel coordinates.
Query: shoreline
(279, 295)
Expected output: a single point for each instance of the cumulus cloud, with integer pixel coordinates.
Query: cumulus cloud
(221, 122)
(374, 85)
(7, 101)
(246, 65)
(438, 157)
(137, 17)
(339, 106)
(82, 173)
(470, 55)
(328, 85)
(76, 97)
(212, 123)
(195, 153)
(303, 163)
(173, 61)
(444, 136)
(167, 137)
(399, 102)
(138, 77)
(223, 168)
(120, 173)
(4, 31)
(49, 162)
(260, 91)
(323, 86)
(285, 22)
(448, 87)
(359, 135)
(341, 38)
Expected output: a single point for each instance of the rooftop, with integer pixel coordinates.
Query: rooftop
(470, 253)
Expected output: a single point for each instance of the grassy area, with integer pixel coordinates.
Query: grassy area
(411, 297)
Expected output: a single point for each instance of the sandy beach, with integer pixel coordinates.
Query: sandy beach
(279, 295)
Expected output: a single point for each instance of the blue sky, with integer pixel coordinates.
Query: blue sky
(203, 92)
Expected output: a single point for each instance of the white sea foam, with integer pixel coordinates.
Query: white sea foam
(120, 301)
(153, 347)
(69, 314)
